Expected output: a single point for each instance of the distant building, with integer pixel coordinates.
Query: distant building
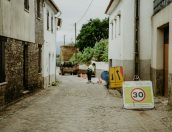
(19, 49)
(66, 52)
(50, 10)
(129, 28)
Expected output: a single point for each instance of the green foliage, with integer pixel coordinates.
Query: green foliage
(87, 55)
(92, 32)
(100, 50)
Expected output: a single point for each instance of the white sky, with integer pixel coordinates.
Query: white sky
(72, 11)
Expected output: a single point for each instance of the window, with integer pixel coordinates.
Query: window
(119, 25)
(38, 9)
(40, 58)
(26, 4)
(115, 27)
(47, 20)
(52, 23)
(2, 62)
(112, 30)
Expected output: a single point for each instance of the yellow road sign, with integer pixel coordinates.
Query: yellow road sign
(115, 77)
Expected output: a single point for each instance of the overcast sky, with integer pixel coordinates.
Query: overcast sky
(72, 11)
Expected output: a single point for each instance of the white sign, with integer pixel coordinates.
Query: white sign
(138, 94)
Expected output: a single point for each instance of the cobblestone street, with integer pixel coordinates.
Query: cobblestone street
(75, 106)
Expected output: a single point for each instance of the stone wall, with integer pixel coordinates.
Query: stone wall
(170, 88)
(2, 94)
(157, 81)
(14, 69)
(39, 38)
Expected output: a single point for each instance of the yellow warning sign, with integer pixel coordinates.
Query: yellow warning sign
(115, 77)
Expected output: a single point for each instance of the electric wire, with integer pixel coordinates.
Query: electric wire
(85, 12)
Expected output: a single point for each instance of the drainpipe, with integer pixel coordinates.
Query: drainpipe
(137, 45)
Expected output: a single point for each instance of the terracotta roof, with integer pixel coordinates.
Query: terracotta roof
(55, 6)
(110, 3)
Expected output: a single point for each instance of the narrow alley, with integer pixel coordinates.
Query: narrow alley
(75, 106)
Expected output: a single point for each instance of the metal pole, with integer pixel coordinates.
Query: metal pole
(64, 39)
(137, 46)
(75, 33)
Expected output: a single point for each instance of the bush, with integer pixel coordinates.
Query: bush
(101, 50)
(99, 53)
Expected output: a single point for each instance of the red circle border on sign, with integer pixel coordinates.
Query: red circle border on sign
(141, 90)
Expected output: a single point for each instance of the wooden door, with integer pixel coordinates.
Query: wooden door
(166, 50)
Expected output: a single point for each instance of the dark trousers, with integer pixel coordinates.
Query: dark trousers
(89, 74)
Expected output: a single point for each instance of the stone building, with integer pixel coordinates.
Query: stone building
(21, 38)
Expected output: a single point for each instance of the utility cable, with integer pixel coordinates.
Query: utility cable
(85, 12)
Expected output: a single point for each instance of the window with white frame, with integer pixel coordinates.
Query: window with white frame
(112, 30)
(48, 20)
(52, 20)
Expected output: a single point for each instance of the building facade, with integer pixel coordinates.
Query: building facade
(161, 65)
(19, 48)
(130, 36)
(50, 11)
(154, 39)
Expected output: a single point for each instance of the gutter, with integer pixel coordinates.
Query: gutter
(137, 42)
(107, 9)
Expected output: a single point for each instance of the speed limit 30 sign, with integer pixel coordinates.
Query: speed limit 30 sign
(138, 94)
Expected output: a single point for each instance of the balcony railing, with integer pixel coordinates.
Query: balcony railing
(160, 4)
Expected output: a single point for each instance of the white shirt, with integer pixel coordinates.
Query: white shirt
(91, 67)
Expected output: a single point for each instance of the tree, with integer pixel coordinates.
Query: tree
(101, 50)
(92, 32)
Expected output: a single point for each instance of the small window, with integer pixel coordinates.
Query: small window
(38, 9)
(47, 20)
(52, 23)
(26, 4)
(2, 62)
(115, 26)
(112, 30)
(119, 25)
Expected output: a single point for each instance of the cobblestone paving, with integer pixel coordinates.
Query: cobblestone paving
(75, 106)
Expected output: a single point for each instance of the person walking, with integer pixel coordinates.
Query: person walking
(90, 71)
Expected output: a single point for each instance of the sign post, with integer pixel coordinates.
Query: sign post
(138, 94)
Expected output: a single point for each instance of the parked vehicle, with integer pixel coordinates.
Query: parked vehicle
(69, 67)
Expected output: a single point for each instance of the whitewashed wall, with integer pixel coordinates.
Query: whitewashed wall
(159, 20)
(16, 22)
(146, 12)
(49, 47)
(122, 42)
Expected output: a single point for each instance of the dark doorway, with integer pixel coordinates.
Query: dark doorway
(166, 57)
(25, 66)
(2, 61)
